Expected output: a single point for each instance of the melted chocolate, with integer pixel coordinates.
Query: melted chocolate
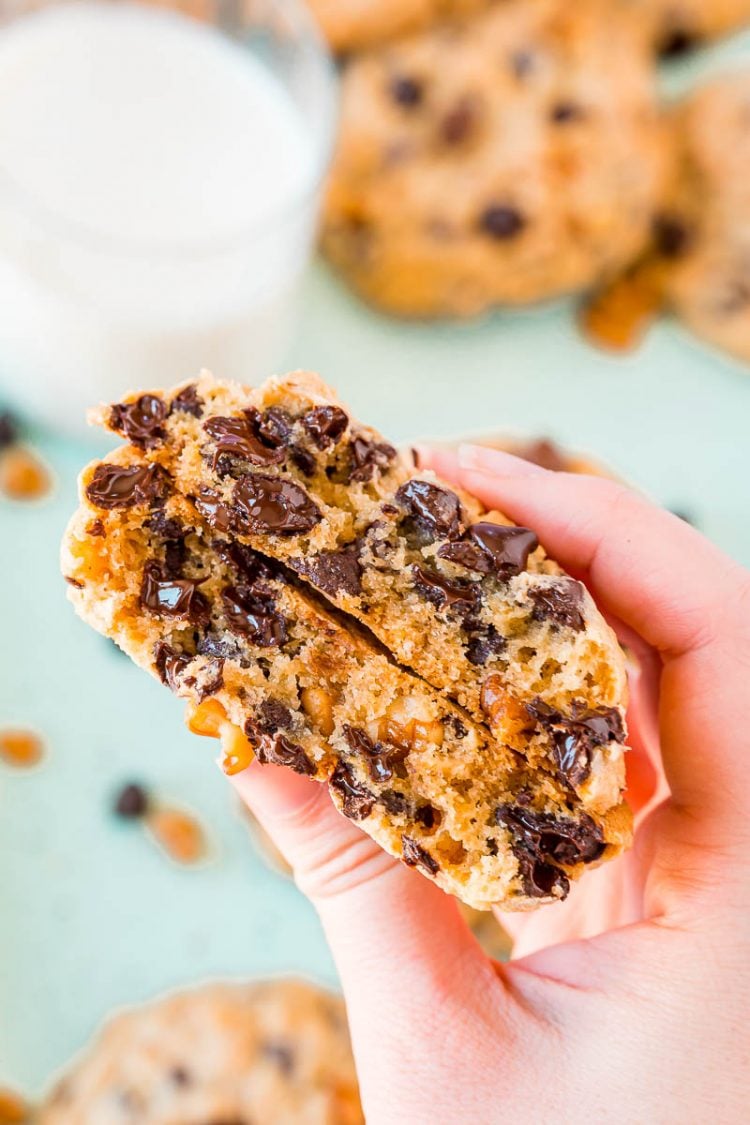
(437, 510)
(172, 597)
(490, 548)
(116, 486)
(236, 437)
(273, 505)
(141, 421)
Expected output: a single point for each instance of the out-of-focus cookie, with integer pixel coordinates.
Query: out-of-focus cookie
(681, 25)
(351, 25)
(708, 250)
(274, 1051)
(513, 158)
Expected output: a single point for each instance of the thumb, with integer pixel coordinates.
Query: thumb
(398, 941)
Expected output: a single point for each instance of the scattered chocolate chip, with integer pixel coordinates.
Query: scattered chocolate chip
(188, 401)
(357, 801)
(131, 802)
(165, 527)
(141, 421)
(281, 751)
(540, 879)
(273, 715)
(222, 647)
(302, 460)
(180, 1075)
(436, 510)
(366, 456)
(273, 505)
(96, 529)
(380, 757)
(561, 603)
(282, 1054)
(172, 597)
(428, 817)
(8, 429)
(454, 724)
(75, 582)
(677, 42)
(414, 855)
(115, 486)
(490, 548)
(274, 426)
(212, 508)
(670, 235)
(501, 222)
(575, 736)
(406, 92)
(325, 425)
(483, 642)
(442, 591)
(393, 802)
(553, 840)
(459, 122)
(563, 113)
(334, 572)
(254, 616)
(254, 567)
(208, 679)
(236, 437)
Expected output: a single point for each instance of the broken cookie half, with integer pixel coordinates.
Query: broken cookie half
(323, 607)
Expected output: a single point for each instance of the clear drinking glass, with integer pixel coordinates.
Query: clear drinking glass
(91, 309)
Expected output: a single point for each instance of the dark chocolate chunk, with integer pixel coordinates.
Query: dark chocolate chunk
(282, 1054)
(75, 582)
(428, 817)
(436, 509)
(459, 122)
(565, 112)
(117, 486)
(575, 736)
(211, 507)
(334, 572)
(236, 437)
(540, 879)
(96, 529)
(483, 642)
(273, 715)
(551, 839)
(671, 236)
(8, 429)
(380, 757)
(490, 548)
(676, 42)
(180, 1076)
(131, 802)
(273, 505)
(172, 597)
(441, 591)
(302, 459)
(222, 647)
(366, 456)
(414, 855)
(561, 603)
(188, 401)
(501, 222)
(273, 426)
(454, 724)
(357, 801)
(141, 421)
(169, 664)
(393, 802)
(166, 527)
(254, 567)
(406, 92)
(281, 751)
(325, 425)
(254, 616)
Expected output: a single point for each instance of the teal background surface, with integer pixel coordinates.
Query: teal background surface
(92, 916)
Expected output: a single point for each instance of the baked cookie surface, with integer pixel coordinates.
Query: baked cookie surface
(352, 25)
(274, 1051)
(508, 160)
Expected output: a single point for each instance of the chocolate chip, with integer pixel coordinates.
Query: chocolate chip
(490, 548)
(575, 736)
(169, 664)
(677, 42)
(222, 647)
(302, 460)
(561, 604)
(273, 505)
(366, 456)
(96, 529)
(453, 723)
(273, 715)
(254, 616)
(236, 437)
(442, 592)
(188, 401)
(281, 751)
(116, 486)
(140, 421)
(165, 526)
(325, 425)
(131, 802)
(180, 1076)
(459, 122)
(670, 235)
(8, 429)
(406, 92)
(563, 113)
(273, 426)
(334, 572)
(501, 222)
(172, 597)
(553, 840)
(540, 879)
(414, 855)
(357, 801)
(436, 510)
(75, 582)
(428, 817)
(393, 802)
(212, 508)
(483, 642)
(282, 1054)
(254, 567)
(380, 757)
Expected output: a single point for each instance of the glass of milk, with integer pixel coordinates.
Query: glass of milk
(161, 168)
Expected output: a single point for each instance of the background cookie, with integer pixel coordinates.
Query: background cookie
(274, 1051)
(680, 25)
(511, 159)
(351, 25)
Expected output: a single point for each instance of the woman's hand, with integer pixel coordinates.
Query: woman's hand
(647, 1020)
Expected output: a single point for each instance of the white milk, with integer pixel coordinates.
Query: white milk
(158, 190)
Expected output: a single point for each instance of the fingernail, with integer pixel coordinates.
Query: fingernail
(477, 458)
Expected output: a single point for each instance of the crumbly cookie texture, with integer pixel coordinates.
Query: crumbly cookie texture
(707, 218)
(274, 1051)
(506, 160)
(351, 25)
(205, 548)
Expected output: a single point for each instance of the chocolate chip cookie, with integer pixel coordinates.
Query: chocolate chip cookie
(351, 25)
(267, 556)
(272, 1051)
(512, 158)
(681, 25)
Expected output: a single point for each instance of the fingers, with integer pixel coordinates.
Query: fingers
(666, 581)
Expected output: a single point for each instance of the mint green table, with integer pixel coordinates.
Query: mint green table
(91, 914)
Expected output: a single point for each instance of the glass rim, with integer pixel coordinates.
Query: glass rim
(91, 240)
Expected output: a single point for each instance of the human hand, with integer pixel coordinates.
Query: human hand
(645, 1021)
